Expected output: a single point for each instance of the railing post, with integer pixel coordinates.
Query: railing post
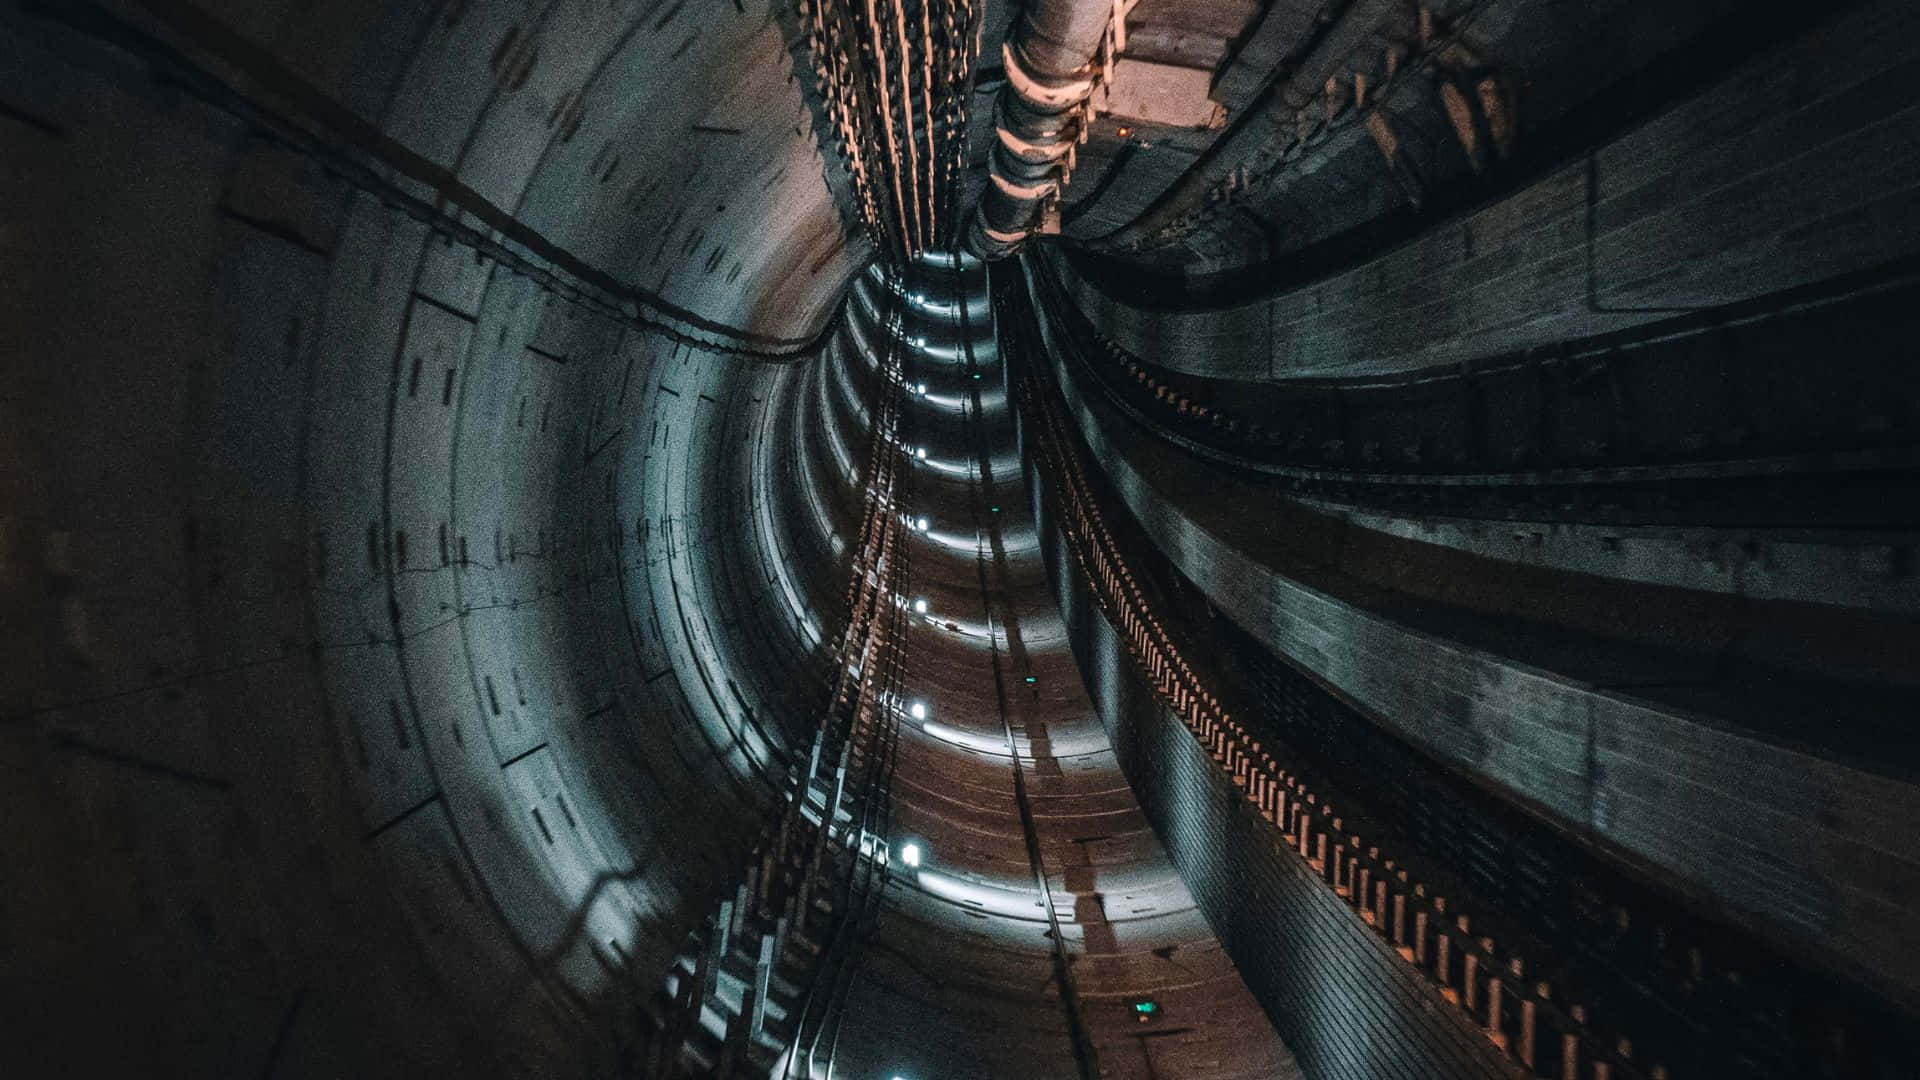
(1529, 1019)
(762, 985)
(1469, 973)
(1420, 928)
(1496, 989)
(1400, 914)
(1570, 1046)
(702, 970)
(733, 1050)
(684, 1002)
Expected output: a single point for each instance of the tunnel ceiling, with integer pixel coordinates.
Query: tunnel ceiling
(605, 538)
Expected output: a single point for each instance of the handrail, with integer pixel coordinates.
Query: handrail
(1236, 437)
(866, 686)
(797, 859)
(1519, 1015)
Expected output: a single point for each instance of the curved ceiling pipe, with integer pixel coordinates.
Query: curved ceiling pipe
(1053, 62)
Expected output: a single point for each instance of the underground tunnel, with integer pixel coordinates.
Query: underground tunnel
(960, 539)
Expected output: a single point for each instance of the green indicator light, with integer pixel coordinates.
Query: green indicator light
(976, 374)
(1145, 1009)
(995, 509)
(1031, 679)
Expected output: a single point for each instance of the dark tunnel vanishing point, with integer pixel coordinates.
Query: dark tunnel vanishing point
(960, 539)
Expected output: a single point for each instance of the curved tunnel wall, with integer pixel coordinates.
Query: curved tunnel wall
(1636, 643)
(433, 434)
(432, 624)
(394, 714)
(1575, 732)
(1396, 712)
(1333, 988)
(1790, 169)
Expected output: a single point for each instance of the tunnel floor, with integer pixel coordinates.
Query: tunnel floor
(1088, 945)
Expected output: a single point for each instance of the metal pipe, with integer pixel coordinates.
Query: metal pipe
(1052, 60)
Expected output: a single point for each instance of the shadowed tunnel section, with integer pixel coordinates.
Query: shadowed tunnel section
(443, 451)
(431, 624)
(1411, 573)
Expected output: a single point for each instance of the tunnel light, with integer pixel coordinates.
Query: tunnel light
(920, 605)
(910, 854)
(917, 710)
(923, 524)
(921, 453)
(922, 389)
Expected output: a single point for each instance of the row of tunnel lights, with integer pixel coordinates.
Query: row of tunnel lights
(912, 855)
(919, 711)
